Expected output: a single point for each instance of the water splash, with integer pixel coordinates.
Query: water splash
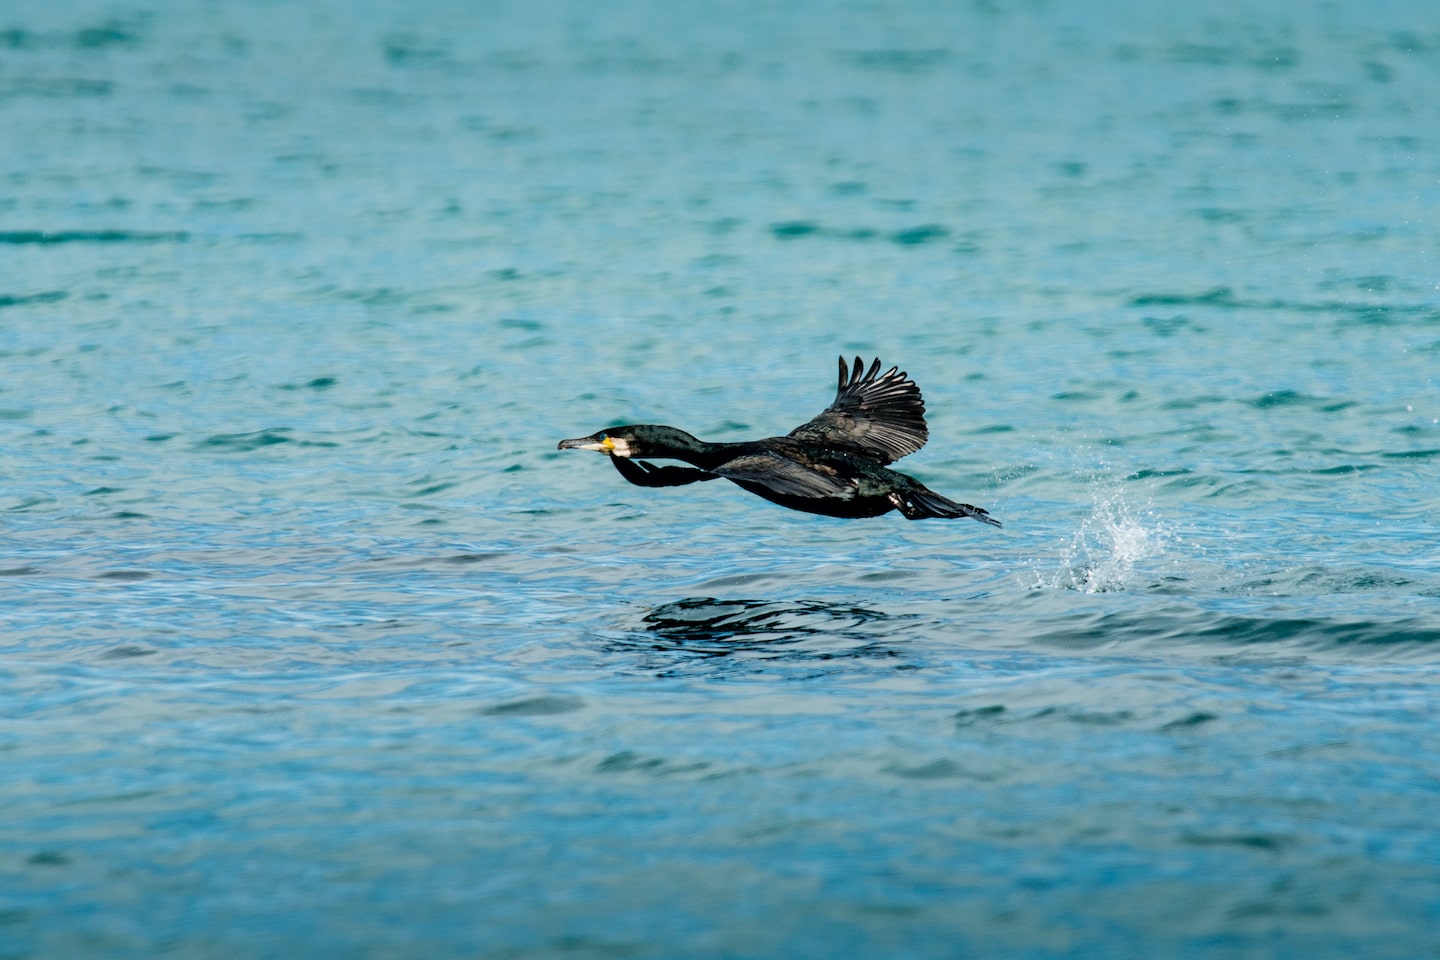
(1102, 555)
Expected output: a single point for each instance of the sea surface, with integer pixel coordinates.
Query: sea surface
(313, 645)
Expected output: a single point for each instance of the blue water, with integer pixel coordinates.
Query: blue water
(314, 645)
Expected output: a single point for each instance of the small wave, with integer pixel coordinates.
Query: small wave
(1346, 312)
(55, 88)
(259, 439)
(52, 237)
(20, 300)
(545, 705)
(907, 237)
(1292, 398)
(101, 36)
(896, 61)
(1102, 555)
(1226, 636)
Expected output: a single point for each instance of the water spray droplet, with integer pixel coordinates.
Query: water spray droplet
(1102, 555)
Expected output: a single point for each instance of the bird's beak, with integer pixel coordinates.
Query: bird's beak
(606, 446)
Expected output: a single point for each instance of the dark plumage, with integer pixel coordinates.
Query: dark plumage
(833, 464)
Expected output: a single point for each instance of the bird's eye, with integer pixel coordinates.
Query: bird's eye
(602, 436)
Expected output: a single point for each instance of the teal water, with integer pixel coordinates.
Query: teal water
(313, 644)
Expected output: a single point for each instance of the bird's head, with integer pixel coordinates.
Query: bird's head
(614, 442)
(639, 440)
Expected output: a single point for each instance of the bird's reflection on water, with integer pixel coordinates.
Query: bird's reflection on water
(699, 630)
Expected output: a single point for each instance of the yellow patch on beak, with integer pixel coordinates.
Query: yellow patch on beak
(604, 445)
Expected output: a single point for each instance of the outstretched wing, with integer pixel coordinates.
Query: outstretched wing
(643, 474)
(784, 476)
(878, 416)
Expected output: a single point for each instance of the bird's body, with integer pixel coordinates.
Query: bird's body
(834, 464)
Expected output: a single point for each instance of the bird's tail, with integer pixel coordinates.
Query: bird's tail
(922, 502)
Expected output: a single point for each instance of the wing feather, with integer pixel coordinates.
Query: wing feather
(879, 416)
(785, 476)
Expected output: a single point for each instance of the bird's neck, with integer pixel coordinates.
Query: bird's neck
(697, 452)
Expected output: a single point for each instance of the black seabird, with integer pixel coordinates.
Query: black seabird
(832, 465)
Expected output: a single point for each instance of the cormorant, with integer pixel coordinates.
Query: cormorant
(832, 465)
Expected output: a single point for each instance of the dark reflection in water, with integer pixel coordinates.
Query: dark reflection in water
(702, 630)
(718, 626)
